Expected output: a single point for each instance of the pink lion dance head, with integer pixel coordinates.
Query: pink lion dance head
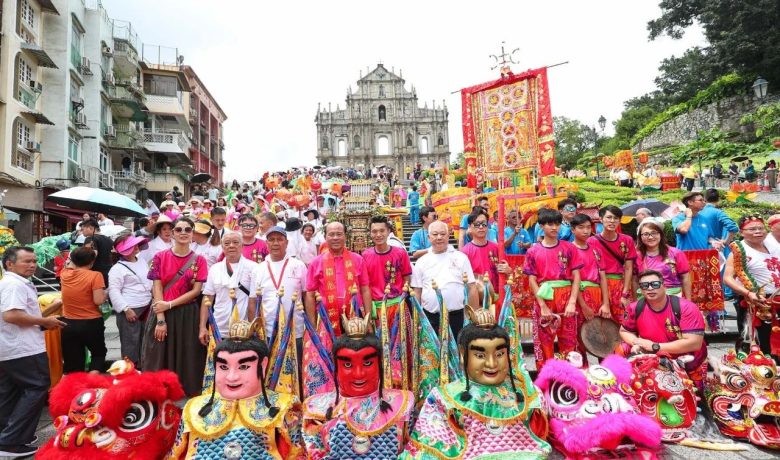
(593, 410)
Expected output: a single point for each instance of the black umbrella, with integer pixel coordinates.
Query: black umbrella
(741, 158)
(200, 178)
(655, 206)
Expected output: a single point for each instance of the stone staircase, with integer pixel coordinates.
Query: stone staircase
(45, 281)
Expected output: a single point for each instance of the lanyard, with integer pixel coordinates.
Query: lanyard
(281, 274)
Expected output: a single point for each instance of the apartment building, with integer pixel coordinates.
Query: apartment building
(84, 102)
(206, 119)
(26, 67)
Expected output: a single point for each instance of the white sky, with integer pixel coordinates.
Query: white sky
(268, 64)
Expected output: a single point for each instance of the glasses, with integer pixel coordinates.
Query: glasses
(650, 285)
(650, 235)
(569, 208)
(249, 226)
(480, 224)
(182, 229)
(754, 229)
(610, 218)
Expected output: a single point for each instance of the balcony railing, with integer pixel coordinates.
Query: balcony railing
(121, 93)
(170, 137)
(126, 139)
(27, 96)
(130, 175)
(23, 159)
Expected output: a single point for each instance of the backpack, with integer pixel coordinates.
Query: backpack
(640, 306)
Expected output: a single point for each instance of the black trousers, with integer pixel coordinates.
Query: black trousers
(689, 183)
(763, 331)
(456, 321)
(24, 387)
(80, 335)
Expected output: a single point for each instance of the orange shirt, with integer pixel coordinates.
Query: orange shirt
(77, 287)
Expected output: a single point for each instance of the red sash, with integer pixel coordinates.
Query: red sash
(336, 302)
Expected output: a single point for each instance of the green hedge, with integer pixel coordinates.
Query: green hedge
(725, 86)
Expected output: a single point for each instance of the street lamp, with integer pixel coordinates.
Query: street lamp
(760, 87)
(602, 124)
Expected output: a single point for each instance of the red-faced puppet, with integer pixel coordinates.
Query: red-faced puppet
(128, 415)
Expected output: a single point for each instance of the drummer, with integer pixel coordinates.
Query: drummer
(663, 323)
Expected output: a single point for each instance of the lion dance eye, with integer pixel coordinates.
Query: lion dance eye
(563, 394)
(736, 382)
(139, 415)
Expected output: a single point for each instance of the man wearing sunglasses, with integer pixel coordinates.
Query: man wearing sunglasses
(662, 323)
(567, 208)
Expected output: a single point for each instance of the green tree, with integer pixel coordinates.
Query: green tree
(572, 140)
(459, 162)
(682, 77)
(743, 36)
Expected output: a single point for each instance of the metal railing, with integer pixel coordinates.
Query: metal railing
(27, 96)
(167, 136)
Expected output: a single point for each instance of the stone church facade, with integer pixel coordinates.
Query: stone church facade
(383, 124)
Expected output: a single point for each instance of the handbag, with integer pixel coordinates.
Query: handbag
(153, 352)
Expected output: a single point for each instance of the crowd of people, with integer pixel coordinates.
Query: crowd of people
(190, 261)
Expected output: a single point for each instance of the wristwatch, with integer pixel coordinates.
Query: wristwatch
(656, 347)
(161, 322)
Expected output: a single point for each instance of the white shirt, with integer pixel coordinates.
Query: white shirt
(393, 240)
(105, 222)
(209, 252)
(219, 284)
(293, 280)
(307, 251)
(771, 243)
(128, 285)
(447, 270)
(155, 246)
(761, 267)
(17, 293)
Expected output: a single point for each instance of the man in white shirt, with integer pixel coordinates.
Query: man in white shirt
(266, 220)
(24, 366)
(234, 272)
(103, 220)
(446, 266)
(772, 240)
(280, 270)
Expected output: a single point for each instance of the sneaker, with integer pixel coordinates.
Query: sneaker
(17, 451)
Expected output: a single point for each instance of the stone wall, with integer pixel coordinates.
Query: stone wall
(724, 114)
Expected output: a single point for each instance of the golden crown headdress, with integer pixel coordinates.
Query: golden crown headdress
(356, 327)
(481, 317)
(239, 329)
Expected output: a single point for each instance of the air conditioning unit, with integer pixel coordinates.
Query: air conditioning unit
(33, 146)
(36, 86)
(81, 120)
(107, 51)
(109, 181)
(85, 66)
(78, 102)
(81, 174)
(110, 132)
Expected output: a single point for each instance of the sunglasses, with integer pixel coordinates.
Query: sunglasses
(182, 229)
(569, 208)
(249, 226)
(480, 224)
(650, 285)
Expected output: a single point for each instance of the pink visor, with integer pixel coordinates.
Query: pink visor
(125, 247)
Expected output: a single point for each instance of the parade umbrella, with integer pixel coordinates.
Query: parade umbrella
(655, 206)
(741, 158)
(317, 167)
(97, 200)
(200, 178)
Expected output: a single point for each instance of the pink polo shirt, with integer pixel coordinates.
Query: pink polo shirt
(315, 275)
(591, 264)
(623, 246)
(555, 263)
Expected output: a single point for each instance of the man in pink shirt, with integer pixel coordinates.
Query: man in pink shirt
(657, 327)
(334, 274)
(618, 253)
(386, 266)
(553, 269)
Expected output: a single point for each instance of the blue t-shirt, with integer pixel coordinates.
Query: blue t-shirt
(414, 199)
(719, 222)
(564, 233)
(419, 240)
(464, 226)
(522, 237)
(699, 234)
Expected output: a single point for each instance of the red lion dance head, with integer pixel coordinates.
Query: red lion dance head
(663, 391)
(127, 415)
(744, 394)
(592, 411)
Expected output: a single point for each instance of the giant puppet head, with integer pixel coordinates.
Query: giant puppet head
(593, 410)
(126, 415)
(744, 396)
(664, 392)
(358, 353)
(485, 350)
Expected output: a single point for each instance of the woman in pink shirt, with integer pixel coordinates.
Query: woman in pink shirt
(654, 254)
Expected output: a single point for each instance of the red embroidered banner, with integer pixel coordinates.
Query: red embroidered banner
(507, 124)
(707, 291)
(522, 297)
